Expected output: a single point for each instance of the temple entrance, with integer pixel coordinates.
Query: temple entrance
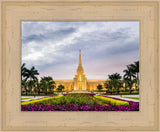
(80, 87)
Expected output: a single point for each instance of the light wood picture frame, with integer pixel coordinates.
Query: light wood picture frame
(13, 12)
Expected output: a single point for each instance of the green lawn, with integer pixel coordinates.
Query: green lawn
(136, 98)
(25, 98)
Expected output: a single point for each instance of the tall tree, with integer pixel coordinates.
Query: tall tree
(129, 76)
(115, 81)
(47, 83)
(31, 84)
(52, 85)
(108, 85)
(60, 88)
(115, 76)
(23, 71)
(37, 87)
(135, 68)
(24, 86)
(125, 83)
(32, 73)
(119, 85)
(28, 77)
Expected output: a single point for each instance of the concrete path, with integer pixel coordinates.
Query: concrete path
(118, 97)
(32, 98)
(124, 98)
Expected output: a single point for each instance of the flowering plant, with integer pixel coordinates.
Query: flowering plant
(80, 102)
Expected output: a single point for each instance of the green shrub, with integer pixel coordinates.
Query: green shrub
(40, 100)
(111, 101)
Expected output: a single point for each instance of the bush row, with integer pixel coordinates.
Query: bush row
(111, 101)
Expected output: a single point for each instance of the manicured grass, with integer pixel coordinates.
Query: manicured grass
(77, 99)
(72, 99)
(111, 101)
(25, 98)
(136, 98)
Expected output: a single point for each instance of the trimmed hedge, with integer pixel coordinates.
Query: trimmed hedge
(40, 100)
(111, 101)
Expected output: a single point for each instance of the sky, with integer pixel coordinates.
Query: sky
(53, 47)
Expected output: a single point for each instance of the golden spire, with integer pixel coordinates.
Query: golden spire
(80, 68)
(80, 63)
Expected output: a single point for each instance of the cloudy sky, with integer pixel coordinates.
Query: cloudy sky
(53, 47)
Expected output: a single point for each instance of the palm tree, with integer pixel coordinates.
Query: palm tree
(135, 68)
(24, 85)
(43, 85)
(28, 77)
(31, 83)
(125, 83)
(115, 81)
(108, 85)
(23, 71)
(47, 83)
(31, 73)
(129, 77)
(31, 77)
(129, 72)
(37, 87)
(51, 85)
(114, 76)
(119, 85)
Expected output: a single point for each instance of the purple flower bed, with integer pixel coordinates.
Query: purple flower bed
(132, 107)
(131, 103)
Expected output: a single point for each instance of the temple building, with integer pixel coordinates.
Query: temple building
(80, 82)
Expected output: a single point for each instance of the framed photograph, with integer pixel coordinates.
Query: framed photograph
(49, 53)
(79, 65)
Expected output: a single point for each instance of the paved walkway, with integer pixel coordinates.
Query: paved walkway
(119, 97)
(115, 96)
(32, 98)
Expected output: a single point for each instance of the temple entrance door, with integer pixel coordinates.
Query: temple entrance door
(80, 87)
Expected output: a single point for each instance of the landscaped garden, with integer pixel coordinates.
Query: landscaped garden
(79, 102)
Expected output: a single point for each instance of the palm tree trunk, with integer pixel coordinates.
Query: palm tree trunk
(111, 90)
(46, 91)
(38, 91)
(137, 81)
(26, 91)
(118, 90)
(130, 89)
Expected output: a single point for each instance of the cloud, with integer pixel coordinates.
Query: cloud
(52, 47)
(49, 36)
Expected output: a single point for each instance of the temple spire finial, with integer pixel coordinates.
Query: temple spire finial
(80, 57)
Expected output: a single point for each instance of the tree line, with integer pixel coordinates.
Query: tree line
(116, 81)
(30, 82)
